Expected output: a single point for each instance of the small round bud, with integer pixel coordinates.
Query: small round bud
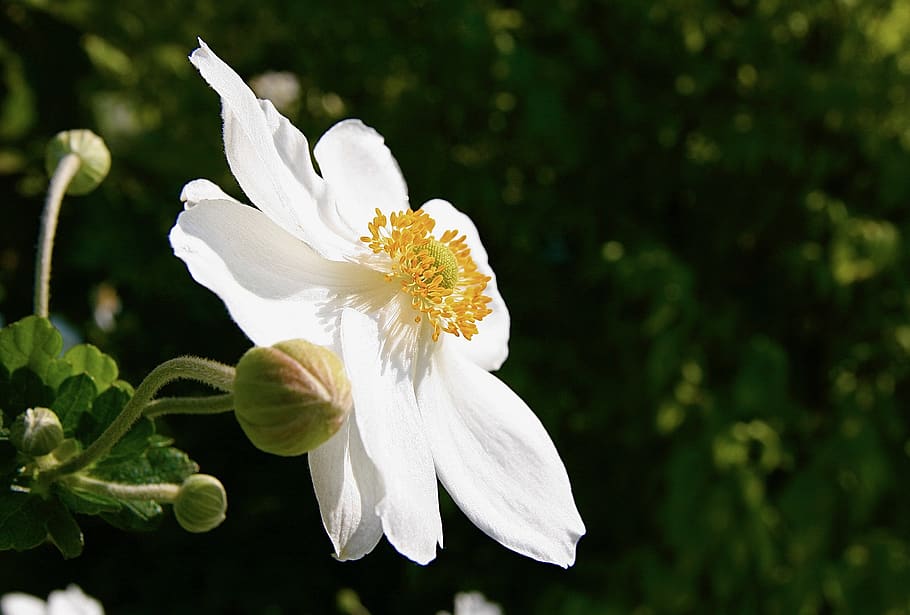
(36, 432)
(200, 504)
(291, 397)
(94, 158)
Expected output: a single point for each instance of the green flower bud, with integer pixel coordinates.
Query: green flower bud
(200, 504)
(94, 158)
(36, 432)
(291, 397)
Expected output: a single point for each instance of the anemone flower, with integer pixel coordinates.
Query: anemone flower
(71, 601)
(343, 261)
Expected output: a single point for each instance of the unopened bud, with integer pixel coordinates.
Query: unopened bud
(36, 432)
(200, 504)
(94, 158)
(291, 397)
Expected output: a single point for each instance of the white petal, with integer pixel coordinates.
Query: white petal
(274, 286)
(361, 173)
(21, 604)
(475, 603)
(72, 601)
(385, 410)
(261, 147)
(347, 489)
(496, 460)
(202, 190)
(490, 347)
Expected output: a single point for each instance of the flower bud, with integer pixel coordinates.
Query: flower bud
(36, 432)
(200, 504)
(291, 397)
(94, 158)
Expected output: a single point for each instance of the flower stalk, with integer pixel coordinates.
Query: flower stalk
(158, 492)
(64, 173)
(210, 404)
(212, 373)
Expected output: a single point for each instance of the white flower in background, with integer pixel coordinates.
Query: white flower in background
(473, 603)
(71, 601)
(409, 302)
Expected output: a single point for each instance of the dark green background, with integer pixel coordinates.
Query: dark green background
(696, 211)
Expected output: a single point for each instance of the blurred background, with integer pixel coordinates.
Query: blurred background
(697, 211)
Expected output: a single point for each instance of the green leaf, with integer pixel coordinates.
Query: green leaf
(33, 342)
(135, 441)
(136, 516)
(87, 359)
(22, 521)
(124, 386)
(25, 390)
(57, 371)
(106, 407)
(63, 530)
(171, 465)
(156, 465)
(87, 503)
(8, 458)
(74, 399)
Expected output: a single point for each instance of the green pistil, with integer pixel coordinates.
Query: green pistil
(444, 260)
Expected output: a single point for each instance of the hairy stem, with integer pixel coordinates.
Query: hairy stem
(213, 404)
(160, 492)
(63, 175)
(212, 373)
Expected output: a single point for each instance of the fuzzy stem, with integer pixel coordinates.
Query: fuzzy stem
(213, 404)
(60, 180)
(159, 492)
(214, 374)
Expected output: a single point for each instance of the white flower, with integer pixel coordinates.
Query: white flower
(409, 302)
(71, 601)
(473, 603)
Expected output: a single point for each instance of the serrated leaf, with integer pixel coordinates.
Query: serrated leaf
(63, 530)
(87, 503)
(136, 517)
(171, 465)
(22, 521)
(25, 390)
(87, 359)
(156, 465)
(74, 399)
(33, 342)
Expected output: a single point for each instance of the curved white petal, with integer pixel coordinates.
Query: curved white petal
(347, 489)
(72, 601)
(389, 422)
(274, 286)
(496, 460)
(203, 190)
(21, 604)
(490, 347)
(361, 173)
(266, 155)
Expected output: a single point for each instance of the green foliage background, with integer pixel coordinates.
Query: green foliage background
(697, 211)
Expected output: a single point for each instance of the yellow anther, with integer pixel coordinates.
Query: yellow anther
(439, 274)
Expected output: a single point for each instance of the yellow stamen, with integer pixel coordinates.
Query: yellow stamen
(439, 274)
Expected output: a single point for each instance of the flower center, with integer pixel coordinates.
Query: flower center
(444, 263)
(439, 274)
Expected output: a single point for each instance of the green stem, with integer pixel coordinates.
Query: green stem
(214, 374)
(159, 492)
(60, 181)
(212, 404)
